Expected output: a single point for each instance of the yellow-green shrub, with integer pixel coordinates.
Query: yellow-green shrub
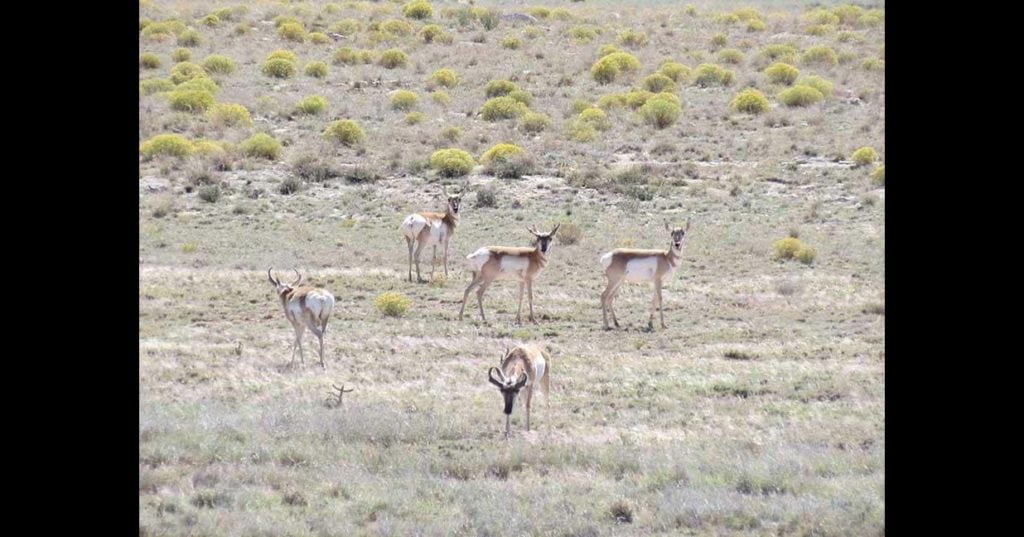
(229, 115)
(452, 134)
(522, 96)
(595, 117)
(150, 86)
(498, 88)
(396, 27)
(404, 100)
(755, 26)
(283, 55)
(281, 20)
(441, 97)
(446, 78)
(215, 63)
(612, 101)
(534, 122)
(418, 9)
(511, 42)
(820, 16)
(661, 110)
(820, 29)
(191, 100)
(345, 56)
(608, 68)
(848, 13)
(781, 73)
(451, 162)
(199, 83)
(632, 38)
(261, 145)
(800, 95)
(279, 68)
(433, 33)
(582, 34)
(676, 71)
(730, 55)
(818, 83)
(316, 69)
(606, 50)
(580, 132)
(346, 27)
(173, 145)
(500, 108)
(319, 38)
(392, 304)
(501, 152)
(189, 38)
(878, 176)
(745, 14)
(560, 13)
(532, 32)
(292, 31)
(709, 74)
(636, 99)
(181, 55)
(540, 12)
(718, 41)
(779, 51)
(312, 105)
(806, 255)
(750, 101)
(393, 58)
(149, 60)
(658, 82)
(864, 156)
(873, 64)
(162, 31)
(345, 132)
(413, 118)
(210, 20)
(787, 248)
(186, 71)
(820, 54)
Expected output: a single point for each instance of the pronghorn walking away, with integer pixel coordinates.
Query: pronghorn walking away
(626, 264)
(305, 307)
(431, 229)
(523, 366)
(495, 262)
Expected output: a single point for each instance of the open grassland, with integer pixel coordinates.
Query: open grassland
(760, 410)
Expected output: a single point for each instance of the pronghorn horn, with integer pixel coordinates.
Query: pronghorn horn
(272, 280)
(555, 230)
(531, 230)
(299, 280)
(521, 383)
(687, 224)
(490, 377)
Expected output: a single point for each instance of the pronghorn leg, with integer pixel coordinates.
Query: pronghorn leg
(529, 396)
(611, 302)
(319, 333)
(477, 277)
(605, 302)
(654, 306)
(661, 307)
(408, 242)
(433, 263)
(508, 423)
(480, 298)
(529, 290)
(446, 259)
(419, 248)
(519, 310)
(299, 332)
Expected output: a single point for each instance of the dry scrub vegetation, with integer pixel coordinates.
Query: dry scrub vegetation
(299, 134)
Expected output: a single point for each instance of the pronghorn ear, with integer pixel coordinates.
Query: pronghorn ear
(490, 377)
(667, 227)
(521, 383)
(553, 231)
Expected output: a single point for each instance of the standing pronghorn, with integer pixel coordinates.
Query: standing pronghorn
(525, 365)
(626, 264)
(496, 262)
(431, 229)
(305, 307)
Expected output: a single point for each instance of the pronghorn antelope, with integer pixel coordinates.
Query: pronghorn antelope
(431, 229)
(626, 264)
(494, 262)
(305, 307)
(523, 366)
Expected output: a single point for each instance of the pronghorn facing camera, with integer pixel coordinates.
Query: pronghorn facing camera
(522, 367)
(431, 229)
(305, 307)
(500, 262)
(627, 264)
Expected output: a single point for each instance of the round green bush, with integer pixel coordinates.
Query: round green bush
(414, 118)
(215, 63)
(501, 152)
(316, 69)
(606, 50)
(392, 304)
(864, 156)
(173, 145)
(540, 12)
(500, 108)
(636, 99)
(200, 83)
(511, 42)
(800, 95)
(781, 73)
(562, 14)
(292, 31)
(345, 132)
(319, 38)
(820, 16)
(632, 38)
(149, 60)
(441, 97)
(878, 176)
(821, 55)
(787, 248)
(730, 55)
(779, 51)
(446, 78)
(595, 117)
(345, 56)
(189, 38)
(522, 96)
(452, 134)
(451, 162)
(848, 13)
(279, 68)
(418, 9)
(395, 27)
(582, 34)
(718, 41)
(312, 105)
(873, 64)
(755, 26)
(818, 83)
(820, 29)
(611, 101)
(806, 255)
(676, 71)
(181, 54)
(346, 27)
(532, 32)
(281, 20)
(186, 71)
(534, 122)
(608, 68)
(230, 115)
(210, 20)
(661, 110)
(261, 145)
(432, 33)
(498, 88)
(580, 132)
(150, 86)
(191, 100)
(709, 74)
(404, 100)
(284, 55)
(658, 82)
(393, 58)
(750, 101)
(162, 31)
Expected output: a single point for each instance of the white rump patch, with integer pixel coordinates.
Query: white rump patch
(477, 259)
(606, 260)
(412, 225)
(642, 269)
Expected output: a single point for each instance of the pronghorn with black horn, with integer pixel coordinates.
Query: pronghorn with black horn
(431, 229)
(305, 307)
(521, 367)
(498, 262)
(627, 264)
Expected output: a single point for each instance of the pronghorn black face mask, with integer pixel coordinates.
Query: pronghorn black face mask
(509, 387)
(544, 239)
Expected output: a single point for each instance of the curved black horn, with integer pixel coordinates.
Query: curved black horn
(553, 231)
(299, 280)
(271, 278)
(521, 383)
(531, 230)
(490, 377)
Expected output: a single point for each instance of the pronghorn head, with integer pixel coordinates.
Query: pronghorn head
(509, 386)
(677, 234)
(282, 288)
(544, 239)
(453, 200)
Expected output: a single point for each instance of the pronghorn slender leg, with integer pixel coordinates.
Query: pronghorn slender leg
(477, 278)
(408, 242)
(433, 263)
(508, 423)
(529, 290)
(320, 336)
(529, 396)
(299, 332)
(446, 258)
(480, 298)
(654, 306)
(661, 306)
(606, 296)
(611, 301)
(519, 310)
(419, 248)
